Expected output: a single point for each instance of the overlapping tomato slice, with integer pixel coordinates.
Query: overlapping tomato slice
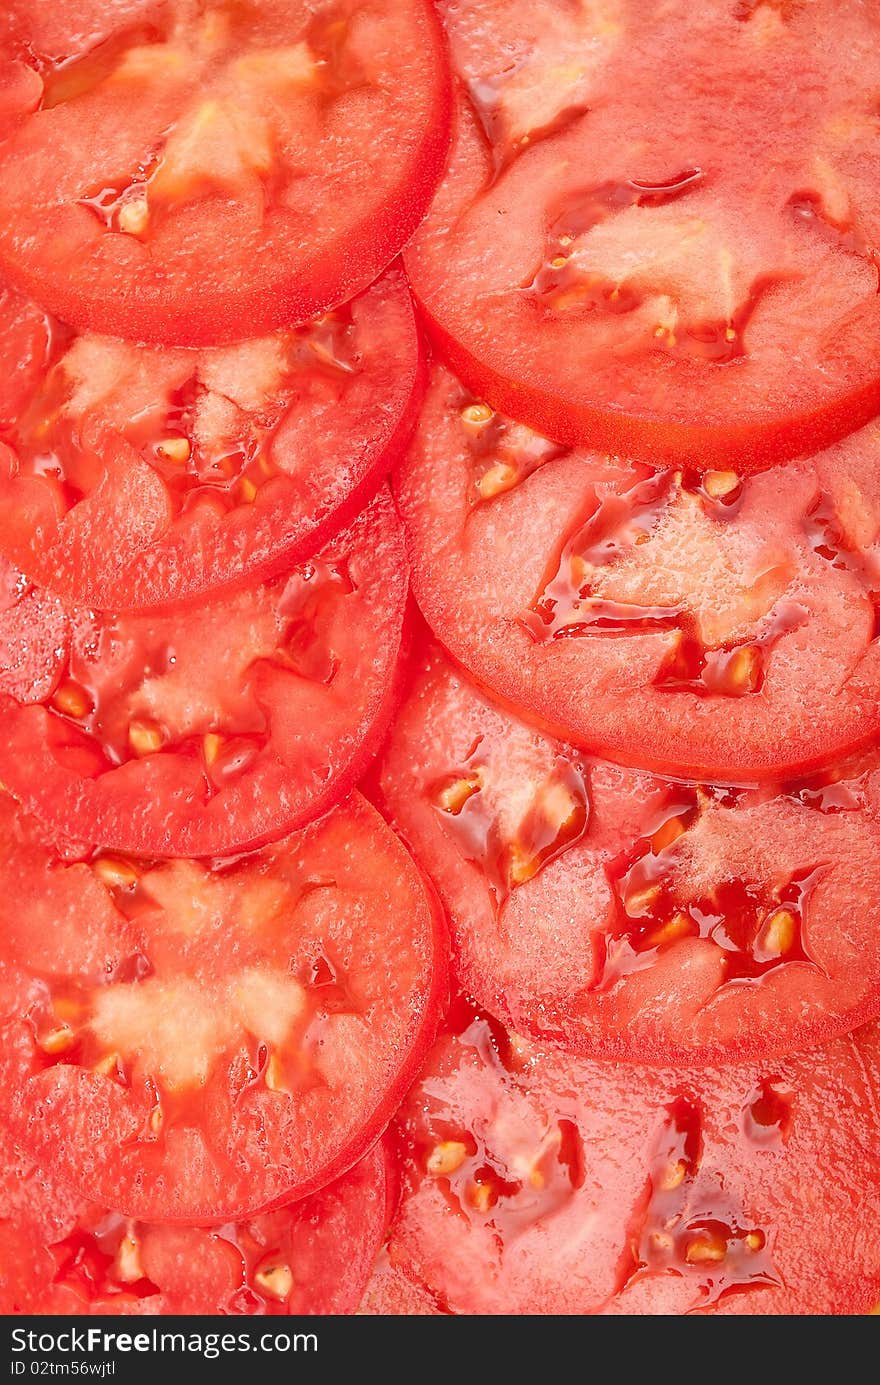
(193, 174)
(537, 1183)
(625, 916)
(136, 476)
(210, 729)
(708, 626)
(390, 1293)
(659, 229)
(197, 1042)
(61, 1255)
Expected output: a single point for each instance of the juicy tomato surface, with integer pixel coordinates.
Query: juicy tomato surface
(625, 916)
(708, 626)
(136, 476)
(228, 167)
(61, 1255)
(642, 243)
(208, 730)
(390, 1293)
(538, 1183)
(199, 1042)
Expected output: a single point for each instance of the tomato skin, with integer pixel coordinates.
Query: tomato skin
(59, 1252)
(191, 299)
(258, 1103)
(625, 917)
(585, 374)
(636, 1172)
(781, 577)
(290, 781)
(133, 539)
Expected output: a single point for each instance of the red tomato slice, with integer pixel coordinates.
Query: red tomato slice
(709, 626)
(227, 168)
(692, 278)
(61, 1255)
(209, 730)
(625, 916)
(537, 1183)
(198, 1042)
(136, 476)
(390, 1293)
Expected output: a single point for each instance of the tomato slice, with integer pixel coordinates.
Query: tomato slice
(228, 168)
(625, 916)
(209, 730)
(198, 1042)
(539, 1183)
(714, 627)
(61, 1255)
(136, 476)
(671, 278)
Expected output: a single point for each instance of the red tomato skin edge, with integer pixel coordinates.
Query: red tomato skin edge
(746, 450)
(322, 532)
(771, 771)
(381, 237)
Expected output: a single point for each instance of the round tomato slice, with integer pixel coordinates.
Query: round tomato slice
(708, 626)
(210, 729)
(625, 916)
(62, 1255)
(198, 1042)
(135, 476)
(535, 1183)
(390, 1293)
(228, 168)
(691, 279)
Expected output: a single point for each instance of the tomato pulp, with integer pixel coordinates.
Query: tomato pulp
(228, 168)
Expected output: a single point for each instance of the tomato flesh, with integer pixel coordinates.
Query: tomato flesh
(209, 731)
(625, 916)
(227, 169)
(198, 1042)
(537, 1183)
(65, 1256)
(389, 1293)
(605, 263)
(712, 626)
(137, 476)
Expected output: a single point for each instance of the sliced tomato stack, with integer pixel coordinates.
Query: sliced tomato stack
(219, 969)
(518, 954)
